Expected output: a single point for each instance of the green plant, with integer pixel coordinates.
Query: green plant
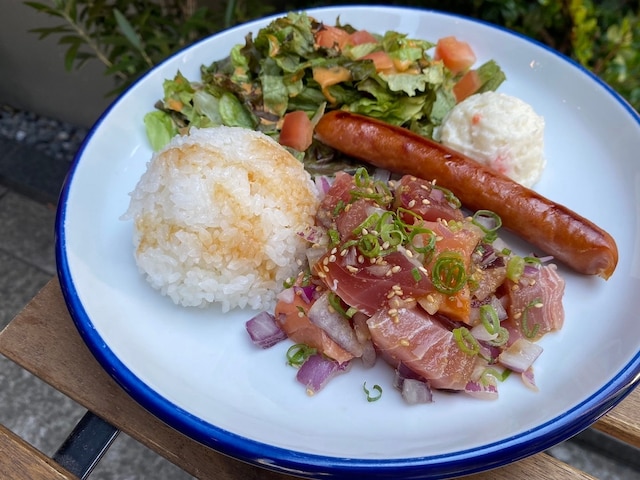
(129, 36)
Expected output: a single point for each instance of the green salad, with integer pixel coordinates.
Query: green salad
(297, 64)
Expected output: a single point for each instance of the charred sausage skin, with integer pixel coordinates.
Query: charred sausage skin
(555, 229)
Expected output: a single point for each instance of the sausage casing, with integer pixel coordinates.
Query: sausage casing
(555, 229)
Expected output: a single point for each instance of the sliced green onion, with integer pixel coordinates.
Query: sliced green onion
(415, 273)
(334, 237)
(351, 311)
(361, 178)
(449, 273)
(532, 261)
(491, 232)
(515, 268)
(404, 211)
(429, 247)
(336, 303)
(501, 376)
(369, 223)
(489, 318)
(449, 196)
(527, 331)
(391, 235)
(491, 322)
(297, 354)
(372, 397)
(501, 339)
(369, 245)
(467, 342)
(340, 206)
(375, 190)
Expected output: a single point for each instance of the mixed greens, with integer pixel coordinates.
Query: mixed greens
(299, 64)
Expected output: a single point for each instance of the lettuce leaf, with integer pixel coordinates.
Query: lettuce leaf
(272, 74)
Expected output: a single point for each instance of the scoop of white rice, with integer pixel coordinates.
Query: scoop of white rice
(499, 131)
(217, 215)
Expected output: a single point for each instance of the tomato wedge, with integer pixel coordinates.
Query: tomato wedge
(361, 36)
(297, 131)
(467, 85)
(381, 60)
(456, 55)
(332, 37)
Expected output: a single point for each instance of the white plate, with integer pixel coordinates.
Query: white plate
(196, 370)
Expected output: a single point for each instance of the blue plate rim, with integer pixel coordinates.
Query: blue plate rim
(464, 462)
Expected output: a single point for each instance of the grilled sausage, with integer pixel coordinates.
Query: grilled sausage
(553, 228)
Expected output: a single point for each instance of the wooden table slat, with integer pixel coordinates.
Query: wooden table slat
(623, 422)
(22, 461)
(33, 341)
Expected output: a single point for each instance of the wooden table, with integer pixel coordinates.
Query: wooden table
(43, 340)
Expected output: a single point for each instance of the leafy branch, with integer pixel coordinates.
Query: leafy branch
(130, 36)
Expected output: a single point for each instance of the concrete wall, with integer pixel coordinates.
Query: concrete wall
(32, 73)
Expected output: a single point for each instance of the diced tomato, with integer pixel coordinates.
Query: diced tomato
(332, 37)
(381, 60)
(467, 85)
(297, 131)
(456, 55)
(361, 36)
(292, 319)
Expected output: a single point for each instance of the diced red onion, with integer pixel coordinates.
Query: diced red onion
(499, 245)
(413, 388)
(416, 391)
(351, 257)
(322, 184)
(489, 257)
(306, 293)
(287, 295)
(484, 389)
(315, 253)
(480, 333)
(431, 303)
(314, 234)
(530, 270)
(382, 175)
(485, 221)
(361, 329)
(369, 355)
(529, 380)
(436, 194)
(317, 370)
(378, 270)
(520, 355)
(264, 331)
(334, 325)
(499, 307)
(403, 372)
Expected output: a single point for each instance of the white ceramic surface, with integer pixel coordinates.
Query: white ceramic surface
(196, 369)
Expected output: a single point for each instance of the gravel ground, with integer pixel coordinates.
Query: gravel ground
(58, 140)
